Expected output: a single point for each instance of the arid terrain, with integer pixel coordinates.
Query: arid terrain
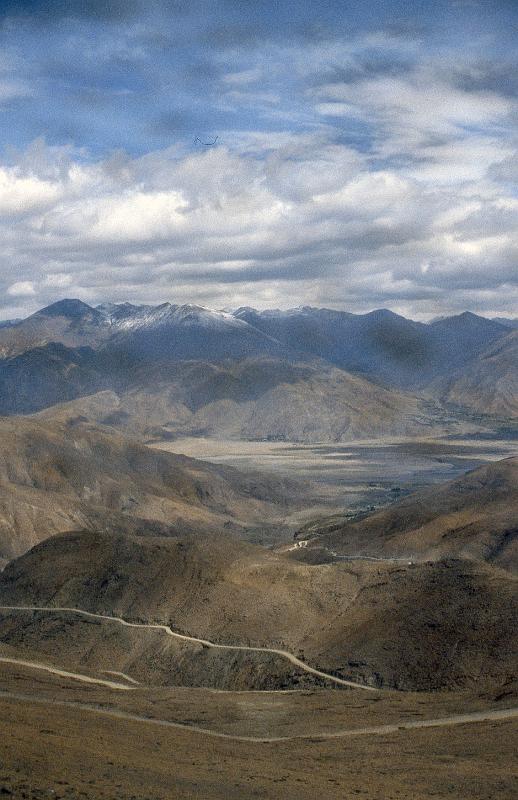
(259, 400)
(110, 747)
(277, 575)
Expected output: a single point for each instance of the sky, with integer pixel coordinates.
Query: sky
(352, 155)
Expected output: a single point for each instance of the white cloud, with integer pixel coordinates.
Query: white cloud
(127, 217)
(244, 77)
(21, 289)
(446, 132)
(283, 220)
(22, 193)
(354, 167)
(58, 280)
(11, 89)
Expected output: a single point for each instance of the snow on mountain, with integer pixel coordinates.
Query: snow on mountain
(127, 317)
(207, 318)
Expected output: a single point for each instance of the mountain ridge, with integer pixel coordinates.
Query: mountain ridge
(57, 476)
(70, 349)
(447, 624)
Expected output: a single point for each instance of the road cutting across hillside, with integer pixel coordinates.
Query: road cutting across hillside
(195, 640)
(76, 676)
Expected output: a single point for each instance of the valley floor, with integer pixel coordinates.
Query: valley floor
(352, 477)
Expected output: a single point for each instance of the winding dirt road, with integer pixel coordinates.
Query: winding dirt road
(76, 676)
(194, 640)
(379, 730)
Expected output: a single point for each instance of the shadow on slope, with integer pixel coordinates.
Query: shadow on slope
(474, 517)
(428, 626)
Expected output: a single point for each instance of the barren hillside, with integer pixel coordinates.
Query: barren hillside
(428, 626)
(472, 517)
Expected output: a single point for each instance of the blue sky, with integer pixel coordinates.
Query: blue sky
(365, 153)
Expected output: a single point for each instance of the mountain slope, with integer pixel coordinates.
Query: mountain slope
(507, 322)
(430, 626)
(69, 322)
(381, 345)
(464, 336)
(473, 517)
(190, 332)
(155, 332)
(73, 476)
(306, 374)
(42, 376)
(258, 399)
(488, 385)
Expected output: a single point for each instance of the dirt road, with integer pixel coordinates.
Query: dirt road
(379, 730)
(195, 640)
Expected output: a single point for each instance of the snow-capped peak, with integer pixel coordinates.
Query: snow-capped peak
(127, 317)
(206, 317)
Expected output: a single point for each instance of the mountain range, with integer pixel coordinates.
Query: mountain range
(380, 344)
(437, 625)
(489, 383)
(305, 374)
(151, 588)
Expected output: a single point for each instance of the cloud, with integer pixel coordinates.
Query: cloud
(21, 289)
(57, 280)
(414, 110)
(20, 194)
(300, 219)
(356, 165)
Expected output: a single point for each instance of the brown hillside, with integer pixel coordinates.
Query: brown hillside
(488, 385)
(427, 626)
(473, 517)
(56, 477)
(256, 399)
